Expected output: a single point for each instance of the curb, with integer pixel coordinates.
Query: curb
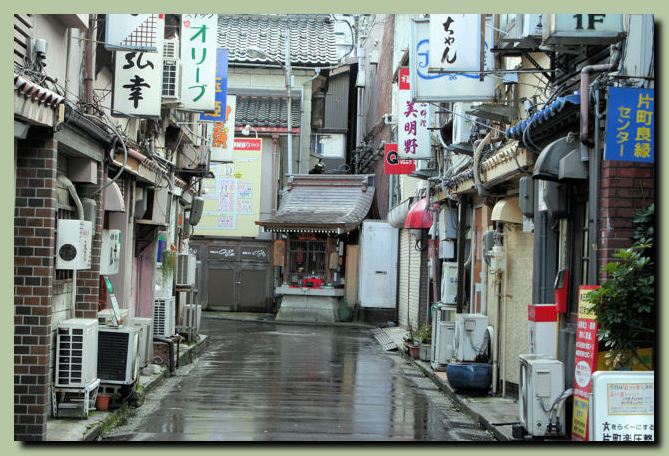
(445, 387)
(187, 358)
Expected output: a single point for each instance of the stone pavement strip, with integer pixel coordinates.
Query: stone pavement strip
(497, 414)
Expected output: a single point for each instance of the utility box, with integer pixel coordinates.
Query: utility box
(73, 244)
(543, 329)
(449, 282)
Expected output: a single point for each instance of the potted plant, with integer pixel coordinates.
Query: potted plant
(412, 346)
(425, 338)
(169, 264)
(625, 302)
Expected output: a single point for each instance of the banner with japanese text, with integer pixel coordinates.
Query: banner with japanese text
(218, 114)
(138, 81)
(394, 165)
(232, 198)
(414, 140)
(221, 135)
(585, 362)
(198, 61)
(134, 32)
(433, 87)
(630, 125)
(455, 42)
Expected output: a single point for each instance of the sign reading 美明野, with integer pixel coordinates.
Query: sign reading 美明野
(585, 362)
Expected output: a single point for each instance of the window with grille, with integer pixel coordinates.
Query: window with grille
(307, 258)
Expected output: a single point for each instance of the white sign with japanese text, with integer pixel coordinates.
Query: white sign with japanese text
(428, 87)
(455, 42)
(134, 32)
(414, 140)
(198, 60)
(138, 82)
(623, 406)
(221, 135)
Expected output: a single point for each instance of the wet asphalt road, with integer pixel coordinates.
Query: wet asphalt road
(269, 382)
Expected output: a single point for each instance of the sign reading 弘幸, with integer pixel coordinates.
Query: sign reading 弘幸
(630, 125)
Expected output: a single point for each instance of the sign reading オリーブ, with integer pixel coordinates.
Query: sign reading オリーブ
(630, 125)
(198, 59)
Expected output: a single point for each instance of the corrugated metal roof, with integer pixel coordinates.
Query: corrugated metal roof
(312, 39)
(323, 203)
(265, 111)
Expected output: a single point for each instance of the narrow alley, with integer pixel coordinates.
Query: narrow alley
(276, 382)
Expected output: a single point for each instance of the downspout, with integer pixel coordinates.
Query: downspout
(304, 141)
(67, 183)
(460, 302)
(503, 329)
(68, 53)
(594, 157)
(480, 187)
(275, 172)
(90, 62)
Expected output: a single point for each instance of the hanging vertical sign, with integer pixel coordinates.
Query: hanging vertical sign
(134, 32)
(630, 125)
(394, 165)
(138, 81)
(445, 87)
(455, 42)
(198, 60)
(585, 362)
(221, 135)
(413, 137)
(218, 114)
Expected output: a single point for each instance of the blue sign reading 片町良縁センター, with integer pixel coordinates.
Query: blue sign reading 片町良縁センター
(630, 125)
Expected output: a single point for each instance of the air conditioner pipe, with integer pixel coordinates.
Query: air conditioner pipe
(557, 405)
(170, 350)
(480, 187)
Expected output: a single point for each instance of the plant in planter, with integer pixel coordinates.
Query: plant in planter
(625, 303)
(169, 264)
(412, 346)
(425, 340)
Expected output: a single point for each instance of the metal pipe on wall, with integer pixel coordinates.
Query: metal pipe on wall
(90, 62)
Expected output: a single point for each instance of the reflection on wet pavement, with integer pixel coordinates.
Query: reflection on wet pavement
(263, 381)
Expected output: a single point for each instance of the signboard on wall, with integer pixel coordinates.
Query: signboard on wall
(219, 112)
(630, 125)
(427, 86)
(414, 140)
(395, 165)
(585, 362)
(134, 32)
(221, 135)
(455, 42)
(198, 59)
(138, 81)
(232, 198)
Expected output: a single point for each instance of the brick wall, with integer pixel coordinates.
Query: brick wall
(626, 188)
(34, 228)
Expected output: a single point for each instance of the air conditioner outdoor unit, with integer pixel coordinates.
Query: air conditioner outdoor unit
(110, 254)
(469, 339)
(163, 316)
(185, 270)
(191, 316)
(443, 331)
(76, 353)
(541, 383)
(73, 244)
(117, 354)
(145, 339)
(106, 317)
(171, 72)
(193, 157)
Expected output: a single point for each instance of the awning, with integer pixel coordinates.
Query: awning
(331, 204)
(398, 214)
(419, 217)
(507, 210)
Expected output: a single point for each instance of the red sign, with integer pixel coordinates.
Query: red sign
(250, 144)
(585, 362)
(404, 78)
(392, 164)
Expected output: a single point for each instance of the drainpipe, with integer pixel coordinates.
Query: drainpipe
(480, 187)
(304, 141)
(503, 328)
(275, 172)
(68, 53)
(90, 62)
(594, 157)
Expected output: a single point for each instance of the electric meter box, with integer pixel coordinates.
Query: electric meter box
(110, 258)
(578, 29)
(73, 244)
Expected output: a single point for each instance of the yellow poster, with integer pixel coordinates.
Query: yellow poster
(579, 425)
(232, 198)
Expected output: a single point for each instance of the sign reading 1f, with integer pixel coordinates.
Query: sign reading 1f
(591, 19)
